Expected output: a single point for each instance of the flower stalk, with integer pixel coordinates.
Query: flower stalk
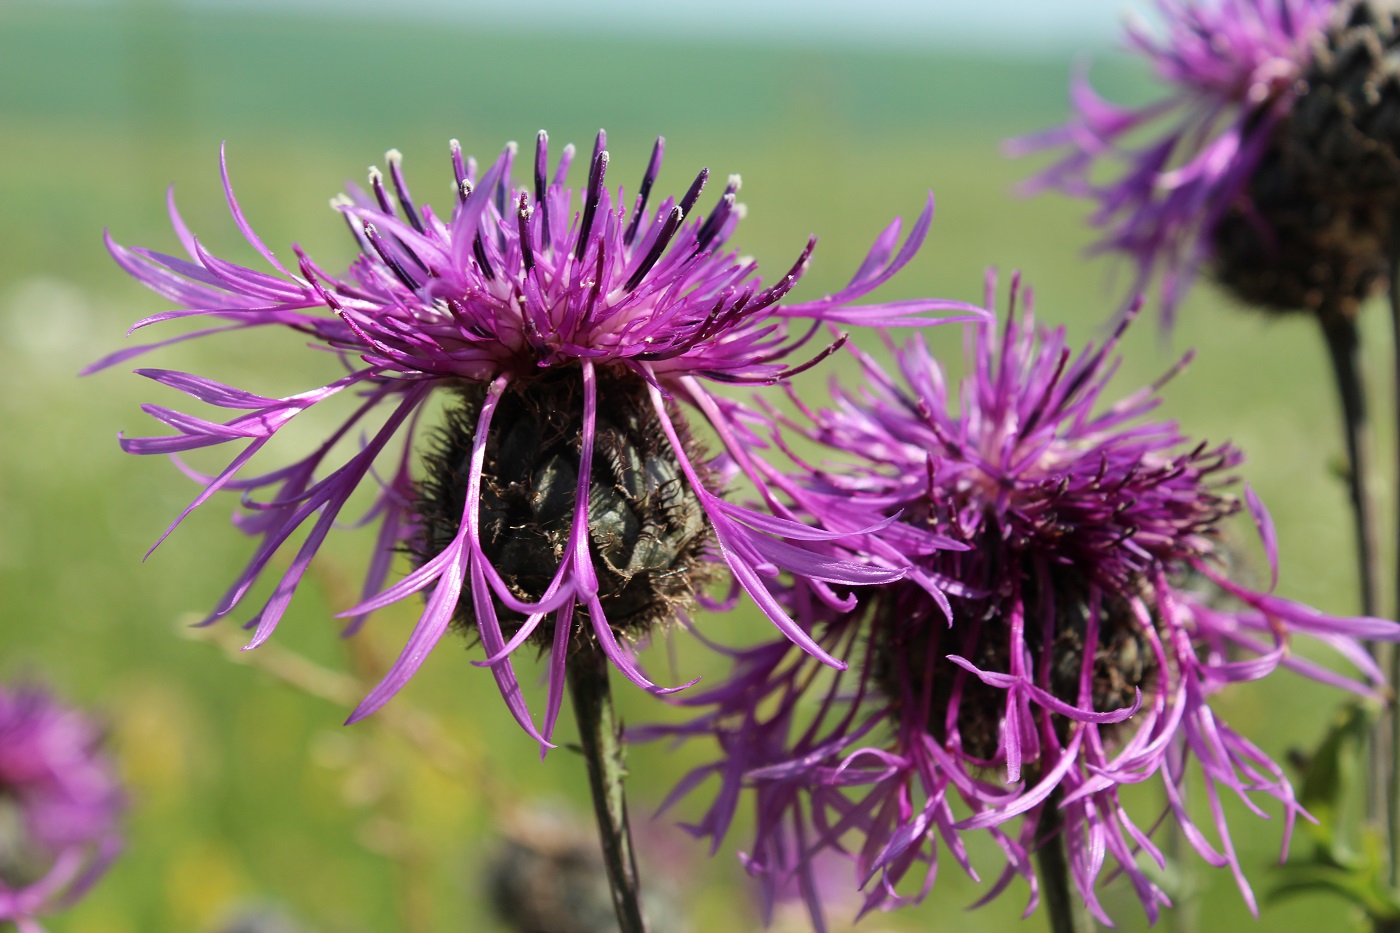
(600, 740)
(1392, 773)
(1066, 910)
(1344, 351)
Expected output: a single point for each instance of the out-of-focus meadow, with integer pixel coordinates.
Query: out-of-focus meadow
(246, 791)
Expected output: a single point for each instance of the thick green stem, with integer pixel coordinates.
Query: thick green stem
(1344, 349)
(1185, 915)
(1068, 913)
(1392, 757)
(603, 750)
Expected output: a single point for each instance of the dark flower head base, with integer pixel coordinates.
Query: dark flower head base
(646, 527)
(60, 806)
(1074, 656)
(517, 299)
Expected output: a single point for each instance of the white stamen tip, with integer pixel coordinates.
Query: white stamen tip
(375, 175)
(393, 157)
(741, 211)
(735, 181)
(454, 146)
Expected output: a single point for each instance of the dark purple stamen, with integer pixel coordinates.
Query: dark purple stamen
(669, 226)
(714, 222)
(479, 251)
(590, 206)
(464, 189)
(357, 231)
(542, 163)
(597, 288)
(459, 168)
(522, 219)
(648, 179)
(775, 294)
(1045, 396)
(377, 242)
(376, 183)
(600, 143)
(693, 195)
(789, 348)
(401, 189)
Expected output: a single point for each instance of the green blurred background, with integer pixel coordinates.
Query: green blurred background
(246, 791)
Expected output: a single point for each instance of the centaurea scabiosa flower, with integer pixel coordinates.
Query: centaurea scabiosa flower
(60, 806)
(1271, 159)
(564, 501)
(1071, 651)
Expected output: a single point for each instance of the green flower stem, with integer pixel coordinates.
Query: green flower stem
(1068, 913)
(1344, 349)
(1392, 759)
(605, 753)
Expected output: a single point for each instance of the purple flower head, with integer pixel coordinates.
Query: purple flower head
(565, 337)
(1165, 174)
(59, 806)
(1066, 646)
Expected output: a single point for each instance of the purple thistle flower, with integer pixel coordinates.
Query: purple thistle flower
(580, 329)
(1164, 175)
(59, 806)
(1064, 646)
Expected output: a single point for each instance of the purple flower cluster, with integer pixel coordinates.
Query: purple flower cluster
(1163, 175)
(511, 285)
(60, 802)
(1065, 620)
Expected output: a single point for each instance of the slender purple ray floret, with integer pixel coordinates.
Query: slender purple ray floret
(537, 303)
(63, 801)
(1163, 175)
(1089, 618)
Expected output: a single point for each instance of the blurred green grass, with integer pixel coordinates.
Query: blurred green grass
(245, 790)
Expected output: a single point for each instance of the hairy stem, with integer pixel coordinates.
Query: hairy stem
(1067, 911)
(603, 750)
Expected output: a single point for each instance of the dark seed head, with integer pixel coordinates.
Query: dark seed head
(647, 532)
(1290, 246)
(1313, 230)
(913, 639)
(1345, 127)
